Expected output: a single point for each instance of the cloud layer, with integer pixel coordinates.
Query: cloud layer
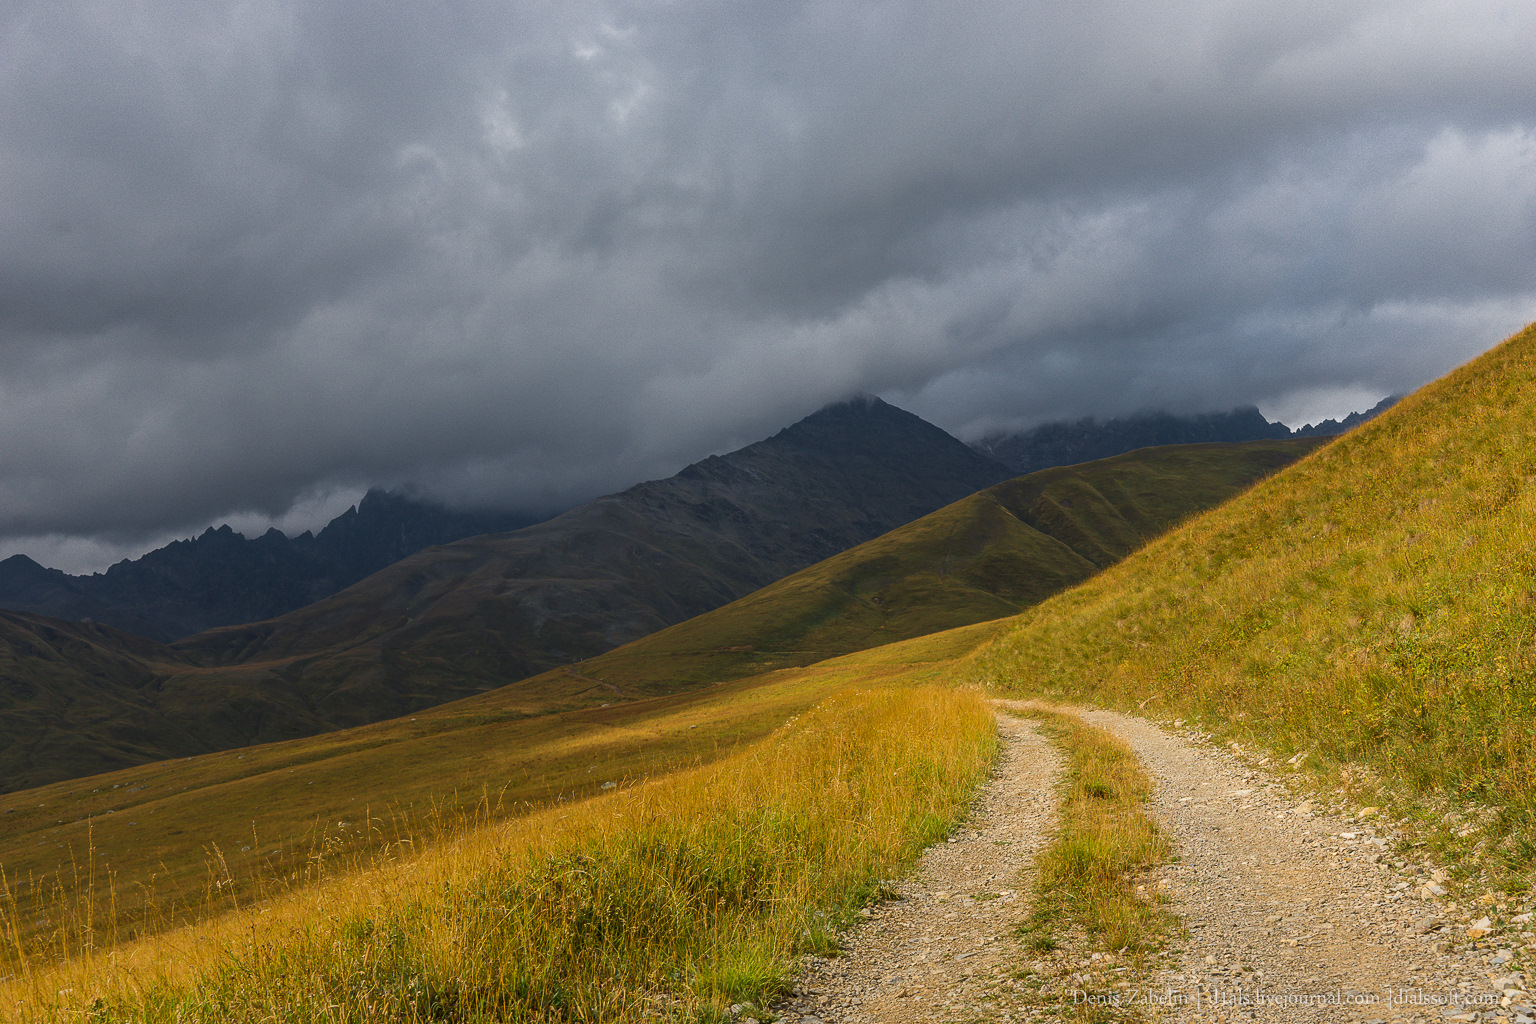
(257, 255)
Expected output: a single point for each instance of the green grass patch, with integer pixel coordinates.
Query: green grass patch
(1095, 923)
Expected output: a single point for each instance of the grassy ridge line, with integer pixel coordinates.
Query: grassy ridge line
(682, 895)
(1374, 606)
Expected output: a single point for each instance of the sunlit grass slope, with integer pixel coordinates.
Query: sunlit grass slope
(143, 848)
(1376, 603)
(165, 839)
(675, 897)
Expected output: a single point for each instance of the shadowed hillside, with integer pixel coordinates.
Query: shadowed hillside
(78, 698)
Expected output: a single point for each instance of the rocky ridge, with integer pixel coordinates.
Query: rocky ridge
(221, 578)
(1068, 443)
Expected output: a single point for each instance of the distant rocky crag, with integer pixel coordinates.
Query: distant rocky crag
(223, 578)
(1067, 444)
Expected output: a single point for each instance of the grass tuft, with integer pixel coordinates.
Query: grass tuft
(1103, 842)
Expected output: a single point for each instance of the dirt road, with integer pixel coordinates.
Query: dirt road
(1290, 914)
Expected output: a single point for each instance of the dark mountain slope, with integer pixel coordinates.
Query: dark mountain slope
(985, 556)
(26, 586)
(223, 578)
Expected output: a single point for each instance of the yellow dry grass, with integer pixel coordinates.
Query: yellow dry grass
(678, 895)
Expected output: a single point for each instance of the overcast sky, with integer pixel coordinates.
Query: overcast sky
(256, 256)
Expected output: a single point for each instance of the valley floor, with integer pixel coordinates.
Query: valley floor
(1289, 913)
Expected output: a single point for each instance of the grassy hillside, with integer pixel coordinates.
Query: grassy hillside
(163, 843)
(79, 698)
(1375, 605)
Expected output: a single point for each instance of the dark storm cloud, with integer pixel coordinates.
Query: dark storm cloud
(253, 255)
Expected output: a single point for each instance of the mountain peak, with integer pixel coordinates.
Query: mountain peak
(18, 561)
(864, 425)
(19, 568)
(377, 498)
(859, 406)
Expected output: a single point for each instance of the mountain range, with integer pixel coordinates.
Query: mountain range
(466, 617)
(463, 618)
(105, 700)
(222, 578)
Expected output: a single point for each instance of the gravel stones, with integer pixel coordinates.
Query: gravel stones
(1297, 904)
